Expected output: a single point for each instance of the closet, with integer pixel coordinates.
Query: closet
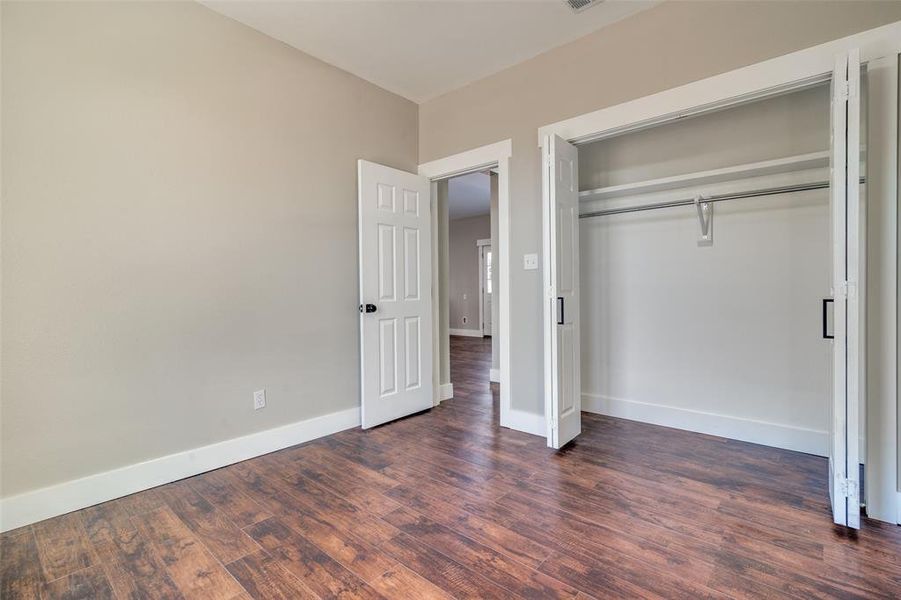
(704, 254)
(705, 272)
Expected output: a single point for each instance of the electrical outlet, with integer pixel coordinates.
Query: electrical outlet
(530, 262)
(464, 296)
(259, 399)
(465, 320)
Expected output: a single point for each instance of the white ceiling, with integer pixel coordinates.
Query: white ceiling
(468, 196)
(421, 49)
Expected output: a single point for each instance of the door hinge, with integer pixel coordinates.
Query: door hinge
(847, 289)
(842, 291)
(842, 91)
(847, 488)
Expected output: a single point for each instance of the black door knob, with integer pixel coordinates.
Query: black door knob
(369, 308)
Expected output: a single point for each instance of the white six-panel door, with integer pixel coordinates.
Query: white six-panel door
(395, 293)
(563, 387)
(847, 236)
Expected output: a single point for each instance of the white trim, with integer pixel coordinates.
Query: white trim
(481, 260)
(480, 245)
(789, 437)
(494, 375)
(527, 422)
(62, 498)
(497, 154)
(446, 391)
(736, 86)
(465, 332)
(504, 264)
(467, 161)
(881, 410)
(436, 288)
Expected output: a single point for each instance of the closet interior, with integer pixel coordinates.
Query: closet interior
(706, 272)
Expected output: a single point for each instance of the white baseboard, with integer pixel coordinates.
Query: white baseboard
(62, 498)
(810, 441)
(527, 422)
(494, 375)
(465, 332)
(445, 392)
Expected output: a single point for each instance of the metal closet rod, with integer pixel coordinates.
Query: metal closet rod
(785, 189)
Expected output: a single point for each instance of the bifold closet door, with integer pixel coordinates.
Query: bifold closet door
(563, 387)
(846, 236)
(395, 293)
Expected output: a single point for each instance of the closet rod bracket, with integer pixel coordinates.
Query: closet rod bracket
(705, 218)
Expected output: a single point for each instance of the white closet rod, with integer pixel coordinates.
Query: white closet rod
(785, 189)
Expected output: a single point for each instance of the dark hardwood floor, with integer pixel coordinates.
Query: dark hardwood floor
(446, 504)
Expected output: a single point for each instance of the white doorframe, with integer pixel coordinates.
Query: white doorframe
(483, 157)
(881, 381)
(480, 244)
(791, 71)
(778, 75)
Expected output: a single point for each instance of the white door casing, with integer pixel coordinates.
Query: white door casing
(563, 394)
(396, 279)
(846, 237)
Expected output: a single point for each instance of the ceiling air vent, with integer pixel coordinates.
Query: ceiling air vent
(580, 5)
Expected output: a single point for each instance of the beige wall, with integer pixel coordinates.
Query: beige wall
(179, 230)
(463, 281)
(672, 44)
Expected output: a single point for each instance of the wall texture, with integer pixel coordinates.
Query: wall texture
(669, 45)
(463, 288)
(179, 230)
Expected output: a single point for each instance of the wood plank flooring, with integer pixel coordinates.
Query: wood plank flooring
(446, 504)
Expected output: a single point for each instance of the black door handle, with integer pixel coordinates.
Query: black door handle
(825, 319)
(369, 308)
(560, 308)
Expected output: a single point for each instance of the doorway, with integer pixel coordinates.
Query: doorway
(492, 161)
(471, 204)
(470, 201)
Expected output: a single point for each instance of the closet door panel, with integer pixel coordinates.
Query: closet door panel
(846, 237)
(562, 314)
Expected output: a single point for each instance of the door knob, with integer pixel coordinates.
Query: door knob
(369, 308)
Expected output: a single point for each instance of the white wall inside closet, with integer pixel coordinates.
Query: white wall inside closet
(723, 339)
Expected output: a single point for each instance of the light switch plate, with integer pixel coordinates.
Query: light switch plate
(530, 262)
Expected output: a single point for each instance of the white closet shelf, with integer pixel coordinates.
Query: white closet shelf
(789, 164)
